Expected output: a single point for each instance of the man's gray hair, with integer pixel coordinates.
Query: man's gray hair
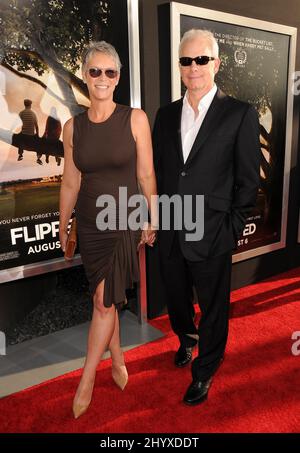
(195, 33)
(101, 47)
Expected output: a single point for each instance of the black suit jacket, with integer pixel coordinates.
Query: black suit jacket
(223, 165)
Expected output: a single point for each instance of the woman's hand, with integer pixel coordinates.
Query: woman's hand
(70, 184)
(145, 172)
(63, 237)
(148, 235)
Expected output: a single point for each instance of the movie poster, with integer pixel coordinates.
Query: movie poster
(41, 87)
(255, 67)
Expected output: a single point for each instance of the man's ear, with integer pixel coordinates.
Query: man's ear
(217, 65)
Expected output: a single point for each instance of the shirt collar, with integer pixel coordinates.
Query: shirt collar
(204, 102)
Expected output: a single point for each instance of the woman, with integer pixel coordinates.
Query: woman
(106, 147)
(52, 132)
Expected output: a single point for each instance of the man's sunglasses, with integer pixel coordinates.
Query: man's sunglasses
(202, 60)
(97, 72)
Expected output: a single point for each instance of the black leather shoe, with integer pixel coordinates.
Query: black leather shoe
(183, 356)
(197, 392)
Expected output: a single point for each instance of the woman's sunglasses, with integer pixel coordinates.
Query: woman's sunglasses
(202, 60)
(97, 72)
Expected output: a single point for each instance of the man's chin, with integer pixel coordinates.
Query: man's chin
(197, 89)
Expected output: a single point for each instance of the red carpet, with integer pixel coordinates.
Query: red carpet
(255, 390)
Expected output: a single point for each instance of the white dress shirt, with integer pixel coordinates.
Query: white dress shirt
(190, 124)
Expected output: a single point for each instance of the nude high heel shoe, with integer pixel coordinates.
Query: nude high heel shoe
(120, 375)
(79, 409)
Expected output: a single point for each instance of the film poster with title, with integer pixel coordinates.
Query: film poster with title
(255, 67)
(40, 67)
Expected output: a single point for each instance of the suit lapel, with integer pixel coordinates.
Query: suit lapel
(209, 123)
(175, 126)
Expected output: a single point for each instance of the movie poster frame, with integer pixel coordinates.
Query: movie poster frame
(179, 9)
(41, 267)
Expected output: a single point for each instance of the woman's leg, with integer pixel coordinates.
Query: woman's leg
(100, 334)
(114, 345)
(119, 371)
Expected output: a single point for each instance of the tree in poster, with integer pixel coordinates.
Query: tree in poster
(260, 87)
(50, 35)
(44, 36)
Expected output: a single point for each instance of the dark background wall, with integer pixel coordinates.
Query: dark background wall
(286, 13)
(278, 11)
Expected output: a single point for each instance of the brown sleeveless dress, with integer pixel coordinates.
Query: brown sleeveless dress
(105, 154)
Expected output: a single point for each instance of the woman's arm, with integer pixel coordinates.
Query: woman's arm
(70, 183)
(145, 167)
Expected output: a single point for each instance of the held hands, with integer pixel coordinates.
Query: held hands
(148, 235)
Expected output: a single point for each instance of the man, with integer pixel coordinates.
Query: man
(204, 144)
(29, 127)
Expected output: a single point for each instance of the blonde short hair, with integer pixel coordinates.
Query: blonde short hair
(101, 47)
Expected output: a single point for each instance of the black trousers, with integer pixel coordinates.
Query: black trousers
(211, 279)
